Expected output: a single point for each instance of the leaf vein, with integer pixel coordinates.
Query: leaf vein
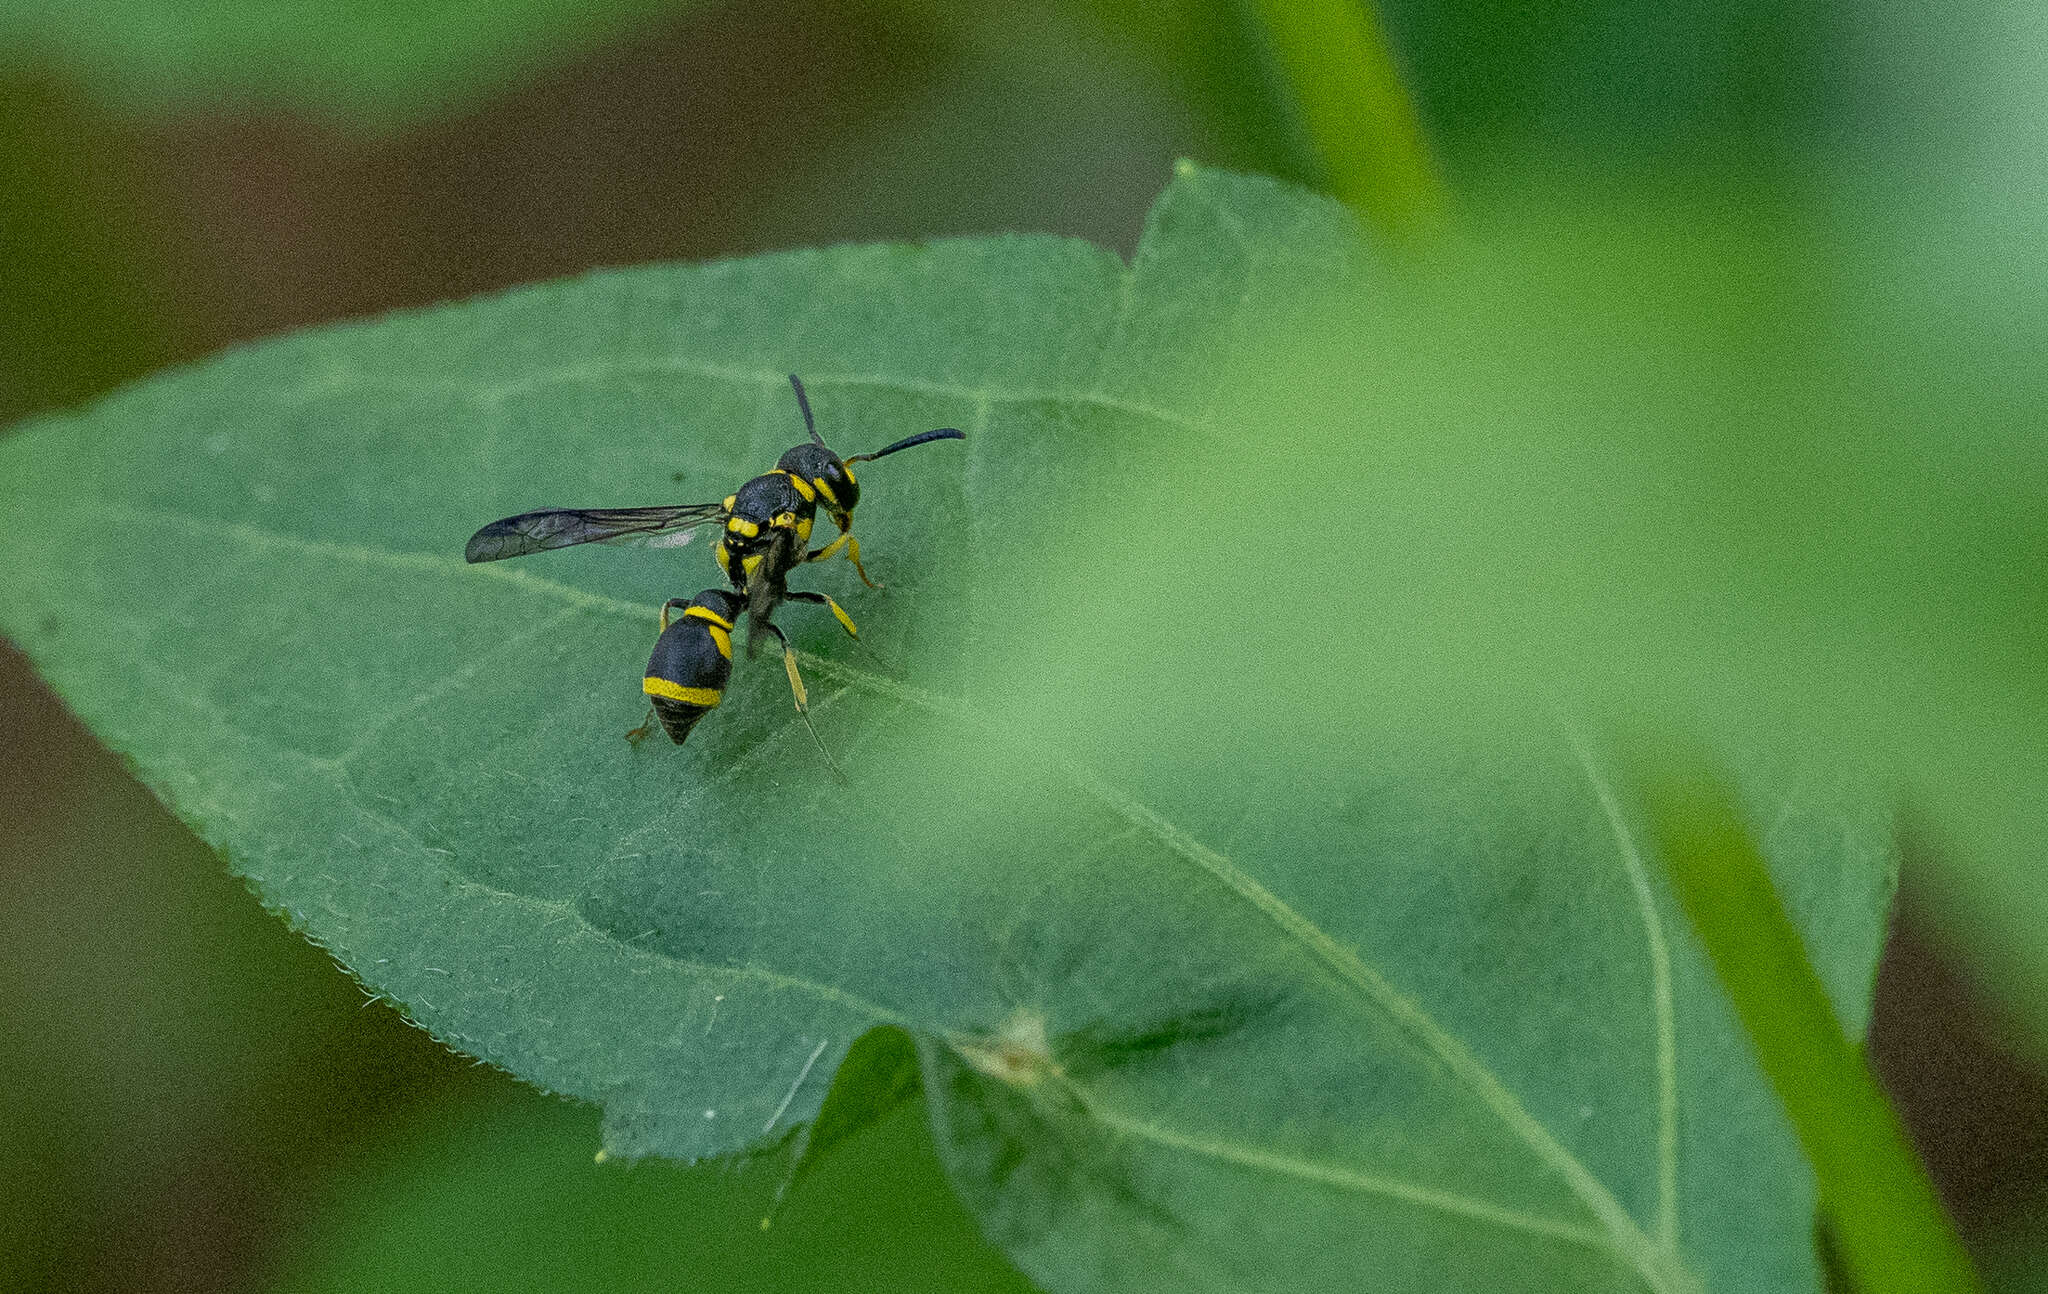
(374, 729)
(1346, 1179)
(1660, 995)
(569, 910)
(488, 395)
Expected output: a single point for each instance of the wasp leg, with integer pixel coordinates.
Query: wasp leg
(851, 545)
(803, 700)
(839, 612)
(669, 606)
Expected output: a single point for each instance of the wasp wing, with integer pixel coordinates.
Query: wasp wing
(534, 532)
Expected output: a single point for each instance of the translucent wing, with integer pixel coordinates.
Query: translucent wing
(534, 532)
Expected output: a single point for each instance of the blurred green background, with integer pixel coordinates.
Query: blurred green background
(198, 1100)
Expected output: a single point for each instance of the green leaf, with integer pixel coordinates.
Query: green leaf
(380, 62)
(1223, 970)
(878, 1074)
(1877, 1202)
(505, 1197)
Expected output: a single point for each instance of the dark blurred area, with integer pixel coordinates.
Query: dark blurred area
(190, 1087)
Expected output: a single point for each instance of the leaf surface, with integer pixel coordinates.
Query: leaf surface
(503, 1196)
(1217, 976)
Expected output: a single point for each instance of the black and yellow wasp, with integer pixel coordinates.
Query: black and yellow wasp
(765, 534)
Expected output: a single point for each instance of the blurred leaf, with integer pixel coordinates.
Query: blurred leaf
(378, 62)
(507, 1198)
(1734, 79)
(1731, 81)
(1959, 300)
(1349, 96)
(1215, 59)
(2016, 1261)
(1876, 1200)
(1221, 972)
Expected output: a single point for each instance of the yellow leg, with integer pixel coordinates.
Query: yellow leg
(796, 680)
(838, 612)
(803, 703)
(852, 548)
(853, 555)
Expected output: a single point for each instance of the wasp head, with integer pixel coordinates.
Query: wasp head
(826, 474)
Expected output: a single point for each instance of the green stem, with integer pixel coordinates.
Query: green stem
(1875, 1196)
(1364, 128)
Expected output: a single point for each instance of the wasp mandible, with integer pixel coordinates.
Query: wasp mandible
(765, 530)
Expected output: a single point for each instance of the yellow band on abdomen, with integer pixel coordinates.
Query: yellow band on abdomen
(704, 696)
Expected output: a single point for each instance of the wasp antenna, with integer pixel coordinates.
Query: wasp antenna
(943, 433)
(803, 402)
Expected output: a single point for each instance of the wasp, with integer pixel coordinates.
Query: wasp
(764, 533)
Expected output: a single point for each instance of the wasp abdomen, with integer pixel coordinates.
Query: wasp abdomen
(686, 675)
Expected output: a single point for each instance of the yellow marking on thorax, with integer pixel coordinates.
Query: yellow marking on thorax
(798, 482)
(704, 696)
(731, 499)
(706, 613)
(783, 520)
(720, 555)
(803, 530)
(742, 526)
(751, 562)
